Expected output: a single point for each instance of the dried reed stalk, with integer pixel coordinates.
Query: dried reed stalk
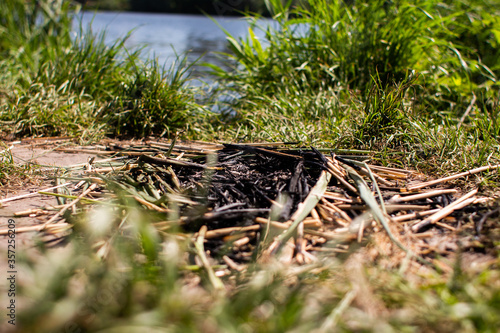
(36, 228)
(227, 231)
(152, 206)
(397, 198)
(464, 201)
(342, 180)
(338, 197)
(299, 244)
(415, 215)
(32, 194)
(339, 234)
(200, 251)
(336, 209)
(452, 177)
(31, 212)
(389, 207)
(125, 167)
(68, 206)
(173, 161)
(233, 265)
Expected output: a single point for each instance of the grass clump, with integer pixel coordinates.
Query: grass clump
(398, 77)
(151, 101)
(47, 110)
(88, 86)
(342, 44)
(12, 175)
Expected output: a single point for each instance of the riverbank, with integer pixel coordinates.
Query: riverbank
(410, 88)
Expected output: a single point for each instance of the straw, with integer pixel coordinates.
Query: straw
(452, 177)
(68, 206)
(305, 208)
(33, 194)
(458, 204)
(200, 251)
(398, 198)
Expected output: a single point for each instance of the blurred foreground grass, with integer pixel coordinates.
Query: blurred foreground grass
(414, 81)
(121, 274)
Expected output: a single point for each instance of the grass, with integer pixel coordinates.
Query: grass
(371, 76)
(415, 82)
(131, 277)
(94, 88)
(12, 175)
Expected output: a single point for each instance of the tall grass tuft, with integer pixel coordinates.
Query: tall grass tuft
(398, 75)
(83, 80)
(386, 111)
(152, 101)
(345, 44)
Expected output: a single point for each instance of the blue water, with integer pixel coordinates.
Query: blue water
(164, 36)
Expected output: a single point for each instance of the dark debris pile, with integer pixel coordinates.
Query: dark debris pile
(234, 193)
(253, 201)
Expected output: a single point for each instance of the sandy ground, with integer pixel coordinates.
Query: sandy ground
(26, 241)
(42, 156)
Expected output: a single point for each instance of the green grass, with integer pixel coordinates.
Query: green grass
(410, 77)
(389, 77)
(12, 175)
(56, 84)
(416, 82)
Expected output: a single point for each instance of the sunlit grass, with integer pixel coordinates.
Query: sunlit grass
(416, 83)
(401, 77)
(119, 272)
(56, 83)
(12, 175)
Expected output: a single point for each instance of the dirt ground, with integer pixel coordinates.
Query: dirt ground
(30, 153)
(39, 155)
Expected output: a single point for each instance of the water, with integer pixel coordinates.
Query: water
(165, 36)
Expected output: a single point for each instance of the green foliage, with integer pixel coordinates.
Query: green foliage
(42, 110)
(385, 111)
(58, 84)
(405, 78)
(331, 43)
(151, 102)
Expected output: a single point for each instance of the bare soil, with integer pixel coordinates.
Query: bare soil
(38, 154)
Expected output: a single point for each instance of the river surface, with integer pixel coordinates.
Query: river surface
(164, 36)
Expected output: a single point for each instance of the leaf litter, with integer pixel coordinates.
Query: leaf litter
(240, 203)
